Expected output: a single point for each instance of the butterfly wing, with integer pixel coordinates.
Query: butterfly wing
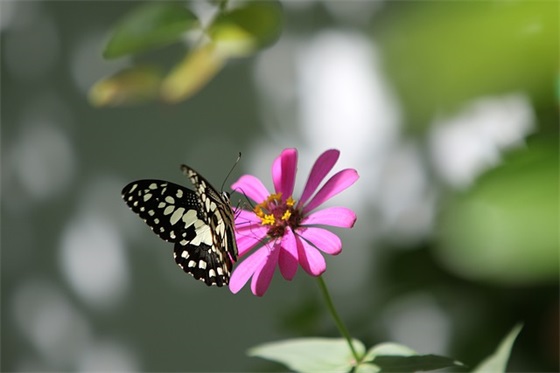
(176, 215)
(216, 212)
(200, 223)
(167, 208)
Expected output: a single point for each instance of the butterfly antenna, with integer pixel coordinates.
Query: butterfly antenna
(230, 171)
(248, 201)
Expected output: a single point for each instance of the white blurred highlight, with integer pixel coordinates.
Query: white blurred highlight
(108, 356)
(353, 12)
(344, 100)
(406, 200)
(61, 336)
(418, 322)
(43, 160)
(469, 143)
(7, 12)
(55, 328)
(93, 260)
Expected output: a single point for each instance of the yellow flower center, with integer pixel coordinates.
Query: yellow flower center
(278, 214)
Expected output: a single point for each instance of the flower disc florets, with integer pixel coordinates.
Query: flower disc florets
(278, 214)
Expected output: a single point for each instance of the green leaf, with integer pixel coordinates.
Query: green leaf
(504, 230)
(388, 348)
(414, 363)
(148, 26)
(486, 50)
(191, 74)
(311, 354)
(129, 86)
(497, 362)
(241, 31)
(393, 357)
(367, 368)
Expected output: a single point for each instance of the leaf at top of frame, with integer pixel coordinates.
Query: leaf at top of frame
(150, 26)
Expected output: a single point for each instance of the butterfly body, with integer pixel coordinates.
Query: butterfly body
(200, 223)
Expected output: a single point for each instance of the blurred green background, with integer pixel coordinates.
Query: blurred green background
(448, 110)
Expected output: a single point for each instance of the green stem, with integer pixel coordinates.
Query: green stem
(223, 5)
(338, 321)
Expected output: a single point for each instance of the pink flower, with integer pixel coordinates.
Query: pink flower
(287, 231)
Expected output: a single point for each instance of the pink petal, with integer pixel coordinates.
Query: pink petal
(251, 228)
(321, 168)
(277, 173)
(284, 172)
(288, 260)
(252, 187)
(323, 240)
(333, 216)
(244, 270)
(263, 275)
(336, 184)
(310, 258)
(246, 240)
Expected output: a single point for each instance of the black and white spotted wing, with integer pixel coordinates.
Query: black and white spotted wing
(200, 223)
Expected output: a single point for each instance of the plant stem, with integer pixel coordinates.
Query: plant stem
(338, 321)
(223, 5)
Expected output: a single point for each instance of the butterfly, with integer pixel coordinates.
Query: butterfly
(199, 223)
